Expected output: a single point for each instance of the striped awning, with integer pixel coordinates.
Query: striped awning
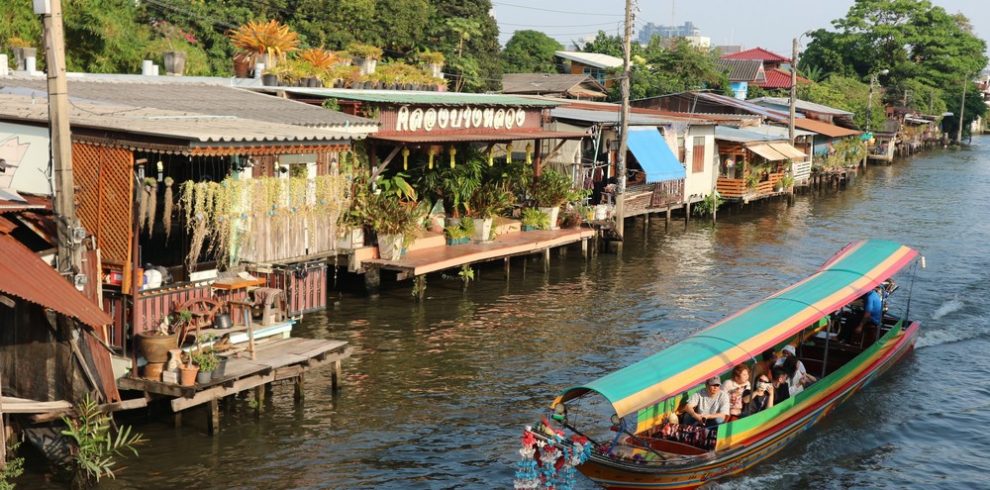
(740, 337)
(764, 150)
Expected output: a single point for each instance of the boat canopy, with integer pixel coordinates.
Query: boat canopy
(852, 272)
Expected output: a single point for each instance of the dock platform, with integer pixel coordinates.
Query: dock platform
(274, 360)
(427, 260)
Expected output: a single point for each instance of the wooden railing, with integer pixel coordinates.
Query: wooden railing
(643, 198)
(737, 189)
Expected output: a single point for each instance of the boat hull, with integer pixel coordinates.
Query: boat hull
(754, 446)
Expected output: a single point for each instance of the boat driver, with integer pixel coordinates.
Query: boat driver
(710, 406)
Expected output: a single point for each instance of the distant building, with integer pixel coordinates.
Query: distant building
(687, 31)
(665, 32)
(595, 65)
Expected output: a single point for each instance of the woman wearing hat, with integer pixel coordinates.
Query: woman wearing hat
(799, 377)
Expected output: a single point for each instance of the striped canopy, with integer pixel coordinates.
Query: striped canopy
(848, 275)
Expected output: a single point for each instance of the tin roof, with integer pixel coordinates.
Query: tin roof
(801, 105)
(197, 129)
(28, 202)
(757, 53)
(417, 97)
(608, 117)
(551, 83)
(596, 60)
(24, 275)
(824, 128)
(200, 98)
(742, 70)
(728, 133)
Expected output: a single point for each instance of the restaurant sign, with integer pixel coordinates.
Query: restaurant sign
(445, 119)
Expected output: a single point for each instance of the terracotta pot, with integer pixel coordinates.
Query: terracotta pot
(155, 348)
(187, 375)
(153, 371)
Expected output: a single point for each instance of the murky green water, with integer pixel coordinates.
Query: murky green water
(437, 392)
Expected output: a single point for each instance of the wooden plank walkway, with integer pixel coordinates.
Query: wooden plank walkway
(429, 260)
(274, 360)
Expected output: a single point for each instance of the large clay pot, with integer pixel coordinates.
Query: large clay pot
(154, 347)
(187, 375)
(390, 246)
(483, 229)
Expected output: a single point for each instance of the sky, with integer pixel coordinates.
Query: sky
(770, 24)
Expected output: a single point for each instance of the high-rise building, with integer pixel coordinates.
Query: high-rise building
(665, 32)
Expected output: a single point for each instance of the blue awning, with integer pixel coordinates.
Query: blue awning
(654, 155)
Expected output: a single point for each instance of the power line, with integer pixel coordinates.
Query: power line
(554, 11)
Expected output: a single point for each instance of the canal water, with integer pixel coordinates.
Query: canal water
(437, 392)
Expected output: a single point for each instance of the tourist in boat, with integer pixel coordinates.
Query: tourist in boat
(762, 397)
(871, 316)
(764, 367)
(781, 384)
(710, 406)
(737, 387)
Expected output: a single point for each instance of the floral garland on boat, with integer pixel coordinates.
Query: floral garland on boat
(550, 463)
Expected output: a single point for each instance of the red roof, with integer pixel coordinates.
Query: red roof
(757, 54)
(24, 275)
(777, 78)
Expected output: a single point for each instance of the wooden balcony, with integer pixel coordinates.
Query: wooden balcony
(736, 189)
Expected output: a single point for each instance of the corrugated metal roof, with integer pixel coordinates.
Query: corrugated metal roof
(482, 136)
(728, 133)
(596, 60)
(757, 53)
(29, 203)
(608, 117)
(192, 127)
(777, 131)
(553, 83)
(418, 97)
(24, 275)
(823, 128)
(742, 70)
(801, 105)
(201, 98)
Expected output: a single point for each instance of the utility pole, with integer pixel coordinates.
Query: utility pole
(620, 191)
(69, 254)
(962, 112)
(790, 120)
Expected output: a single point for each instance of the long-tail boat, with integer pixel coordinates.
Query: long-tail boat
(640, 446)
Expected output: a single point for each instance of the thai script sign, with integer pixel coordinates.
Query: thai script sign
(431, 119)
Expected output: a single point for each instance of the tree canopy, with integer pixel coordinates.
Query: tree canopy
(530, 52)
(919, 53)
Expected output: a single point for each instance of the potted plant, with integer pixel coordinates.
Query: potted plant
(534, 219)
(154, 345)
(365, 56)
(490, 200)
(22, 51)
(207, 361)
(187, 371)
(269, 41)
(550, 191)
(394, 221)
(434, 60)
(752, 180)
(457, 235)
(787, 182)
(350, 232)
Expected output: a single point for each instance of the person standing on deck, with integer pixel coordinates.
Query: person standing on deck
(710, 406)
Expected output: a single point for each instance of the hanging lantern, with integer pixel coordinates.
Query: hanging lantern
(491, 155)
(453, 154)
(430, 163)
(529, 153)
(405, 159)
(508, 153)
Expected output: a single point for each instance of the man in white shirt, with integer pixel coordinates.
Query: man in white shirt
(710, 406)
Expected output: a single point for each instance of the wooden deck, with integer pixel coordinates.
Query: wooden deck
(275, 360)
(425, 261)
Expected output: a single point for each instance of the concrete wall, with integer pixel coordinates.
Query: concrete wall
(700, 184)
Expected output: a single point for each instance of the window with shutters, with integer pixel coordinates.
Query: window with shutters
(698, 155)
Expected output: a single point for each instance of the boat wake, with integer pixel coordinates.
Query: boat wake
(951, 306)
